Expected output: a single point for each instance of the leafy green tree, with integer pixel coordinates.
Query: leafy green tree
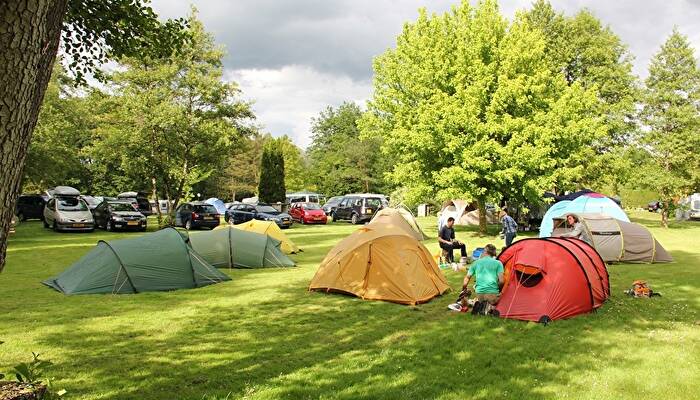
(56, 155)
(468, 109)
(671, 115)
(174, 120)
(91, 31)
(271, 187)
(585, 51)
(295, 169)
(340, 162)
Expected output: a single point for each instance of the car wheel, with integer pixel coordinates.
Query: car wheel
(55, 226)
(188, 224)
(108, 226)
(301, 220)
(354, 219)
(46, 224)
(21, 217)
(333, 216)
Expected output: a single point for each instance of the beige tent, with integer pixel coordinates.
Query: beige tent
(398, 218)
(376, 263)
(617, 240)
(270, 229)
(464, 213)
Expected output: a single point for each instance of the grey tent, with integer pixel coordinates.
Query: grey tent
(157, 261)
(617, 240)
(227, 247)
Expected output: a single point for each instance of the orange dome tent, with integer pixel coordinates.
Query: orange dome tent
(398, 218)
(376, 263)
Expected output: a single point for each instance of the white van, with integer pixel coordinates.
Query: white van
(305, 197)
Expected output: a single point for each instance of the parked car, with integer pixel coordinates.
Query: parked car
(68, 213)
(139, 199)
(308, 213)
(118, 214)
(92, 202)
(30, 206)
(654, 206)
(239, 213)
(196, 214)
(331, 204)
(358, 208)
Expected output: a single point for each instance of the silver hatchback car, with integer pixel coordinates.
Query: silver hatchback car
(69, 213)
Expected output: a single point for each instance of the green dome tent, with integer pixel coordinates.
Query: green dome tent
(227, 247)
(154, 262)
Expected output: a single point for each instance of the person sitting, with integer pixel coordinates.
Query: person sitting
(578, 231)
(448, 242)
(489, 276)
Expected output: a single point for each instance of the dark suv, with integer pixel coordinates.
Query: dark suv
(239, 213)
(358, 208)
(196, 214)
(30, 206)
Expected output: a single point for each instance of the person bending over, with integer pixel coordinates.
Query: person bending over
(448, 242)
(578, 231)
(489, 276)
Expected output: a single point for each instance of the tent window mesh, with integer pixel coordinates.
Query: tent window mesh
(528, 279)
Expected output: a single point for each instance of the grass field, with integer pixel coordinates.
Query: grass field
(263, 336)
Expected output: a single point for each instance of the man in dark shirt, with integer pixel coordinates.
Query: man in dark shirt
(447, 241)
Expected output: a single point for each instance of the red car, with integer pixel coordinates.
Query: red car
(308, 213)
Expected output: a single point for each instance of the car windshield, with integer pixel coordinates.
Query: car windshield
(373, 203)
(121, 207)
(265, 209)
(71, 204)
(334, 200)
(311, 206)
(204, 209)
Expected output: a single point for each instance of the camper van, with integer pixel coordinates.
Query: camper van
(305, 197)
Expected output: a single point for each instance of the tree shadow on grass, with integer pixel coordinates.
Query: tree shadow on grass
(298, 344)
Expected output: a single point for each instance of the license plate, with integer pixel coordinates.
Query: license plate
(78, 225)
(369, 211)
(132, 223)
(208, 217)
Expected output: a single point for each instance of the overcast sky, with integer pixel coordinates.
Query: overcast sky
(293, 58)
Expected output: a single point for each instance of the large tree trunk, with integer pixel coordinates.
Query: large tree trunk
(30, 31)
(481, 204)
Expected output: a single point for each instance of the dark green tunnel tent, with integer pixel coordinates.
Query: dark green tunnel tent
(227, 247)
(154, 262)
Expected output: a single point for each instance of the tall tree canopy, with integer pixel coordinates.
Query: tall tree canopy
(340, 161)
(585, 51)
(468, 110)
(271, 187)
(671, 115)
(173, 120)
(93, 30)
(295, 169)
(56, 154)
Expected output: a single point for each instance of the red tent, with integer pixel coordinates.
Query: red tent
(551, 278)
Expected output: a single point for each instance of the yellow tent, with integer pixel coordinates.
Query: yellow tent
(270, 229)
(398, 218)
(376, 263)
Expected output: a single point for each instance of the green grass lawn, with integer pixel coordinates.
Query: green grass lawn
(264, 336)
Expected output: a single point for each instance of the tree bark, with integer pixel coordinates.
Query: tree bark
(154, 191)
(30, 31)
(481, 204)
